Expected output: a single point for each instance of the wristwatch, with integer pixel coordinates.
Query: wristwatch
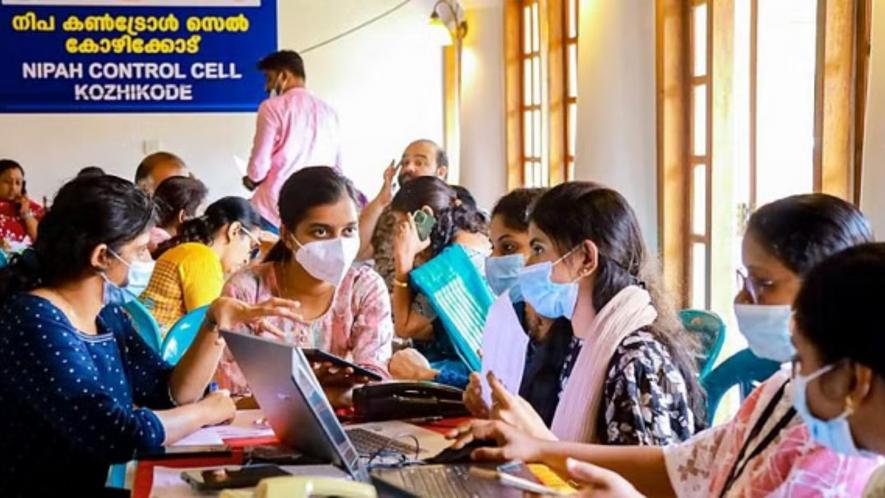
(250, 183)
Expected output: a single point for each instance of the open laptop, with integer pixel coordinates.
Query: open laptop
(299, 413)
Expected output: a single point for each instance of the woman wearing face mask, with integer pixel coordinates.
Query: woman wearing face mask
(18, 214)
(344, 309)
(456, 222)
(553, 346)
(189, 272)
(765, 449)
(79, 385)
(178, 199)
(633, 380)
(784, 241)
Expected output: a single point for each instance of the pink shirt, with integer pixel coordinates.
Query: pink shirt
(294, 130)
(791, 466)
(357, 326)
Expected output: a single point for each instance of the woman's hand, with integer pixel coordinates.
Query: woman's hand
(24, 209)
(218, 407)
(473, 398)
(385, 195)
(409, 364)
(600, 482)
(516, 411)
(330, 375)
(406, 246)
(227, 313)
(513, 444)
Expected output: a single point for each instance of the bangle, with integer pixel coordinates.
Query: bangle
(27, 215)
(400, 284)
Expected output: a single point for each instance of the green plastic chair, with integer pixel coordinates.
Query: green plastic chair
(743, 369)
(144, 323)
(182, 334)
(710, 330)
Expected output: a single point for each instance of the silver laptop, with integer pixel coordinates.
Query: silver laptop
(293, 401)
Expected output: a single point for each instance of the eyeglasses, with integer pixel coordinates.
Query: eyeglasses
(255, 242)
(754, 286)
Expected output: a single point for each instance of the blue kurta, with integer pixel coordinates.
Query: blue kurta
(72, 403)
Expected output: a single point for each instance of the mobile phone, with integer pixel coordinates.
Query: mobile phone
(230, 477)
(24, 187)
(319, 356)
(174, 452)
(424, 223)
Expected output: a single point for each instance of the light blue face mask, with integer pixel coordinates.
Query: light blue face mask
(767, 330)
(550, 299)
(118, 293)
(502, 273)
(835, 433)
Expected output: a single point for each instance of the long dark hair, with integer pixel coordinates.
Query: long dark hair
(204, 228)
(86, 212)
(306, 189)
(576, 211)
(803, 230)
(451, 211)
(835, 307)
(176, 194)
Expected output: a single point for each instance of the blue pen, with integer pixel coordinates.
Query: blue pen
(213, 386)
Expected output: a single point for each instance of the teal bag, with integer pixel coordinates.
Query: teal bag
(460, 297)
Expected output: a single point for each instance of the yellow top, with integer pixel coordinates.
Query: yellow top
(185, 277)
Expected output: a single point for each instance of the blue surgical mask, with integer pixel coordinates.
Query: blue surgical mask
(115, 293)
(139, 276)
(767, 330)
(550, 299)
(502, 272)
(835, 433)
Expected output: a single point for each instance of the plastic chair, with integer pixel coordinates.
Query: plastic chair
(743, 369)
(710, 330)
(459, 296)
(4, 259)
(145, 324)
(182, 334)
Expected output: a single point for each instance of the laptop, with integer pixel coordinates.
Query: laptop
(296, 407)
(269, 365)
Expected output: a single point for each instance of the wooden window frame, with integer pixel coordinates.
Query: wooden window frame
(554, 156)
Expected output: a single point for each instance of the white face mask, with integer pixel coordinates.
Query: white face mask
(767, 330)
(328, 260)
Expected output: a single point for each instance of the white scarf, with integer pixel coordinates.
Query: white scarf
(578, 408)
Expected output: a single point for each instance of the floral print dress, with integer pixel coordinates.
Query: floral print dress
(646, 399)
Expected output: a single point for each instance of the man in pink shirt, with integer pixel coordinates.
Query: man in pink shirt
(294, 129)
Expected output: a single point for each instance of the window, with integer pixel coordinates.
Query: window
(571, 82)
(535, 168)
(699, 147)
(748, 115)
(541, 48)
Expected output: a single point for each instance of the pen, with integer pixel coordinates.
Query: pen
(213, 386)
(513, 481)
(422, 420)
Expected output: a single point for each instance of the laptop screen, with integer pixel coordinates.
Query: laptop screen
(320, 406)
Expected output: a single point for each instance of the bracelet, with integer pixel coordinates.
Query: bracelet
(401, 285)
(27, 215)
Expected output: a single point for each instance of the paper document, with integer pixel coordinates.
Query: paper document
(203, 437)
(504, 344)
(248, 424)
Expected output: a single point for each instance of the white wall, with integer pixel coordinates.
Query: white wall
(616, 103)
(385, 81)
(483, 137)
(872, 200)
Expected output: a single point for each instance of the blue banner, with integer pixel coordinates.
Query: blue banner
(134, 55)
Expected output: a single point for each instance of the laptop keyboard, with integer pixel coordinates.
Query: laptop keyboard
(450, 481)
(369, 443)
